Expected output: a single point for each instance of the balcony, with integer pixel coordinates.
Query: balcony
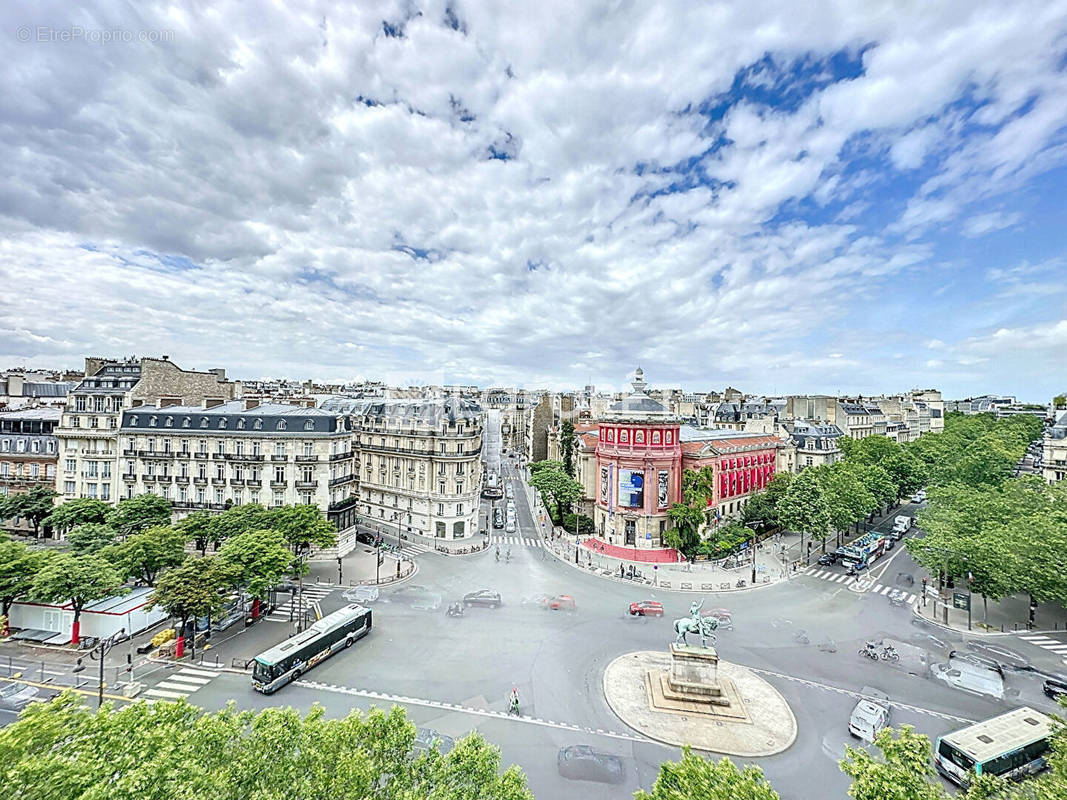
(124, 452)
(237, 481)
(341, 505)
(306, 459)
(342, 479)
(200, 455)
(255, 484)
(182, 480)
(246, 457)
(148, 478)
(203, 506)
(307, 484)
(341, 456)
(279, 458)
(129, 476)
(279, 484)
(156, 454)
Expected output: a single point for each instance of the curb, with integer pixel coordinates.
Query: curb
(659, 586)
(915, 609)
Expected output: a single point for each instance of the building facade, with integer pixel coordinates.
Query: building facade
(420, 463)
(1054, 451)
(89, 428)
(28, 455)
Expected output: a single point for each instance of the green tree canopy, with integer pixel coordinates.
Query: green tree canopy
(143, 555)
(79, 580)
(18, 567)
(257, 560)
(803, 508)
(903, 772)
(135, 514)
(174, 750)
(80, 511)
(197, 528)
(90, 537)
(303, 527)
(566, 446)
(698, 778)
(555, 486)
(36, 505)
(234, 521)
(194, 589)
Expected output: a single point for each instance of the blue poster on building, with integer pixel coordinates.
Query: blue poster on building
(631, 488)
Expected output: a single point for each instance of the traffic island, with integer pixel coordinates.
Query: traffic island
(683, 697)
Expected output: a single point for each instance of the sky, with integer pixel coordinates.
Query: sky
(833, 197)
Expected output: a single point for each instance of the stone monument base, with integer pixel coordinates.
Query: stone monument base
(747, 718)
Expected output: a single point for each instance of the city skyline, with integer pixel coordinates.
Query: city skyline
(839, 201)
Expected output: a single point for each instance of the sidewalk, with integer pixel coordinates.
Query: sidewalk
(360, 567)
(1009, 615)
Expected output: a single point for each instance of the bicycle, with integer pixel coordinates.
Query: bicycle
(889, 653)
(869, 653)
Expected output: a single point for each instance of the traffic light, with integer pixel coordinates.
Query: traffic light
(951, 582)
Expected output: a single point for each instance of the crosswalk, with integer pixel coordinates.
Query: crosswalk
(833, 576)
(1052, 645)
(181, 684)
(412, 549)
(514, 538)
(311, 594)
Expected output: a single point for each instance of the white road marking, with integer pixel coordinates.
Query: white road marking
(198, 671)
(167, 695)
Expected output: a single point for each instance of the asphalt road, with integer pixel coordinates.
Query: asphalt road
(455, 674)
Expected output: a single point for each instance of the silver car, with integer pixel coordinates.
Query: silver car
(361, 594)
(16, 696)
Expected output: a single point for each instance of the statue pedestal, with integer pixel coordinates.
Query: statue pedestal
(692, 682)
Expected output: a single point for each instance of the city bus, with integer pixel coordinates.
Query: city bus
(1011, 746)
(295, 656)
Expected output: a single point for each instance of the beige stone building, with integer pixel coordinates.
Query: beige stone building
(89, 428)
(1054, 451)
(420, 463)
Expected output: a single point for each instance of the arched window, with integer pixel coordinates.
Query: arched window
(258, 424)
(203, 422)
(281, 425)
(133, 420)
(240, 424)
(168, 422)
(223, 422)
(309, 425)
(185, 422)
(151, 422)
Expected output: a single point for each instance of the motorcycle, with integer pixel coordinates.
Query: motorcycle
(870, 653)
(454, 610)
(740, 583)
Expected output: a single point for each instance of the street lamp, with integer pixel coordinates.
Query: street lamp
(753, 524)
(104, 647)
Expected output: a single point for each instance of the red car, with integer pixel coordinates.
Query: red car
(560, 602)
(647, 608)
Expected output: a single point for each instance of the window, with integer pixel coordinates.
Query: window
(281, 426)
(223, 422)
(168, 422)
(218, 496)
(440, 509)
(68, 487)
(279, 499)
(309, 449)
(220, 472)
(50, 471)
(257, 424)
(183, 494)
(90, 490)
(71, 464)
(105, 491)
(459, 509)
(255, 448)
(307, 474)
(201, 496)
(240, 424)
(279, 474)
(203, 422)
(239, 448)
(220, 448)
(305, 498)
(279, 449)
(151, 422)
(309, 425)
(185, 423)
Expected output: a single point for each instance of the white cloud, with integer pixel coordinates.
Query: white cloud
(332, 188)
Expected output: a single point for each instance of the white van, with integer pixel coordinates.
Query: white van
(971, 678)
(870, 715)
(509, 492)
(901, 525)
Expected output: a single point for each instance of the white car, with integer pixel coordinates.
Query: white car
(509, 493)
(919, 496)
(510, 527)
(361, 594)
(870, 715)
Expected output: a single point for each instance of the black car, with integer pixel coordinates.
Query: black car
(483, 597)
(1055, 688)
(498, 519)
(580, 762)
(827, 559)
(368, 537)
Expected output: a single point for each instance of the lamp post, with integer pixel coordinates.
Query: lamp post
(396, 519)
(103, 648)
(753, 524)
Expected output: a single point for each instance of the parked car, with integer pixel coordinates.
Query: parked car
(361, 594)
(646, 608)
(427, 738)
(509, 492)
(870, 715)
(483, 597)
(559, 602)
(721, 616)
(580, 762)
(16, 696)
(919, 496)
(510, 527)
(368, 537)
(498, 518)
(1055, 688)
(827, 559)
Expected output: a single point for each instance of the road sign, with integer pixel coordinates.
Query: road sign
(648, 535)
(961, 600)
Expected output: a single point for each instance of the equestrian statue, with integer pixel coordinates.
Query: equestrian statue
(695, 623)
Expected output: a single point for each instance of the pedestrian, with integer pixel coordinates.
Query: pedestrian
(513, 704)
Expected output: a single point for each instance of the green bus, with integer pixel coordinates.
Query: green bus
(1011, 746)
(295, 656)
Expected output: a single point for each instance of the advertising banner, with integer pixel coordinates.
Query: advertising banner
(631, 488)
(664, 483)
(604, 485)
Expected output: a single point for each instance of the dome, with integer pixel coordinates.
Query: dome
(638, 403)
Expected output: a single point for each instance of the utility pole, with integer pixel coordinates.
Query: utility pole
(100, 651)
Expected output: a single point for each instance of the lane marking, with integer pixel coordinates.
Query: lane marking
(480, 712)
(203, 673)
(165, 694)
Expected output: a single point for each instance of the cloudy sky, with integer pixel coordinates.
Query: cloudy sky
(853, 197)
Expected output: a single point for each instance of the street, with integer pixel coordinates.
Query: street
(455, 674)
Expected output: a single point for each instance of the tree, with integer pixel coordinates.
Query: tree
(686, 522)
(238, 520)
(258, 560)
(697, 778)
(847, 499)
(803, 507)
(61, 749)
(90, 537)
(197, 528)
(80, 511)
(143, 555)
(764, 505)
(877, 481)
(79, 580)
(35, 505)
(136, 514)
(18, 566)
(902, 773)
(556, 486)
(303, 527)
(192, 590)
(566, 446)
